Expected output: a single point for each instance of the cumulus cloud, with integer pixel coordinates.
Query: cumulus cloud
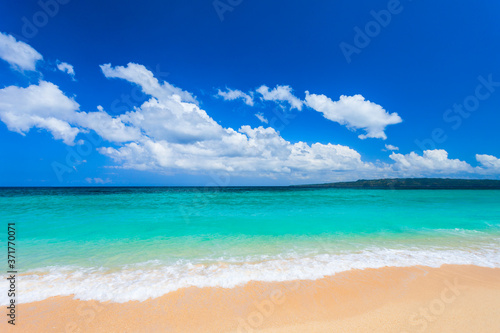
(489, 162)
(231, 95)
(280, 94)
(179, 135)
(356, 113)
(169, 132)
(66, 68)
(249, 151)
(141, 76)
(18, 54)
(261, 117)
(43, 106)
(112, 129)
(432, 161)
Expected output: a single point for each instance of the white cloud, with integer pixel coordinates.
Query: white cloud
(489, 162)
(66, 68)
(97, 180)
(280, 94)
(18, 54)
(113, 129)
(43, 106)
(171, 133)
(167, 133)
(352, 111)
(231, 95)
(431, 162)
(141, 76)
(356, 113)
(391, 147)
(250, 152)
(178, 135)
(261, 117)
(174, 121)
(46, 107)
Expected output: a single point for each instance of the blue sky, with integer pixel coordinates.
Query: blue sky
(247, 92)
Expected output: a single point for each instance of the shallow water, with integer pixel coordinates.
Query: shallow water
(134, 243)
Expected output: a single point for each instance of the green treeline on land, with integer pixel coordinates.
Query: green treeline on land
(414, 183)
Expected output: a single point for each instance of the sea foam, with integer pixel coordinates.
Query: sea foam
(153, 279)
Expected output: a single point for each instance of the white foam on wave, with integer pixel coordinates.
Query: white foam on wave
(154, 279)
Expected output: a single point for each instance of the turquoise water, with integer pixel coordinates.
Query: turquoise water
(131, 238)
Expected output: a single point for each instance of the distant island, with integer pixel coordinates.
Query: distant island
(414, 183)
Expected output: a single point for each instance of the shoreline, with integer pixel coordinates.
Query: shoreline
(452, 298)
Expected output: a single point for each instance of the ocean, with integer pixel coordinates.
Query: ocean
(122, 244)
